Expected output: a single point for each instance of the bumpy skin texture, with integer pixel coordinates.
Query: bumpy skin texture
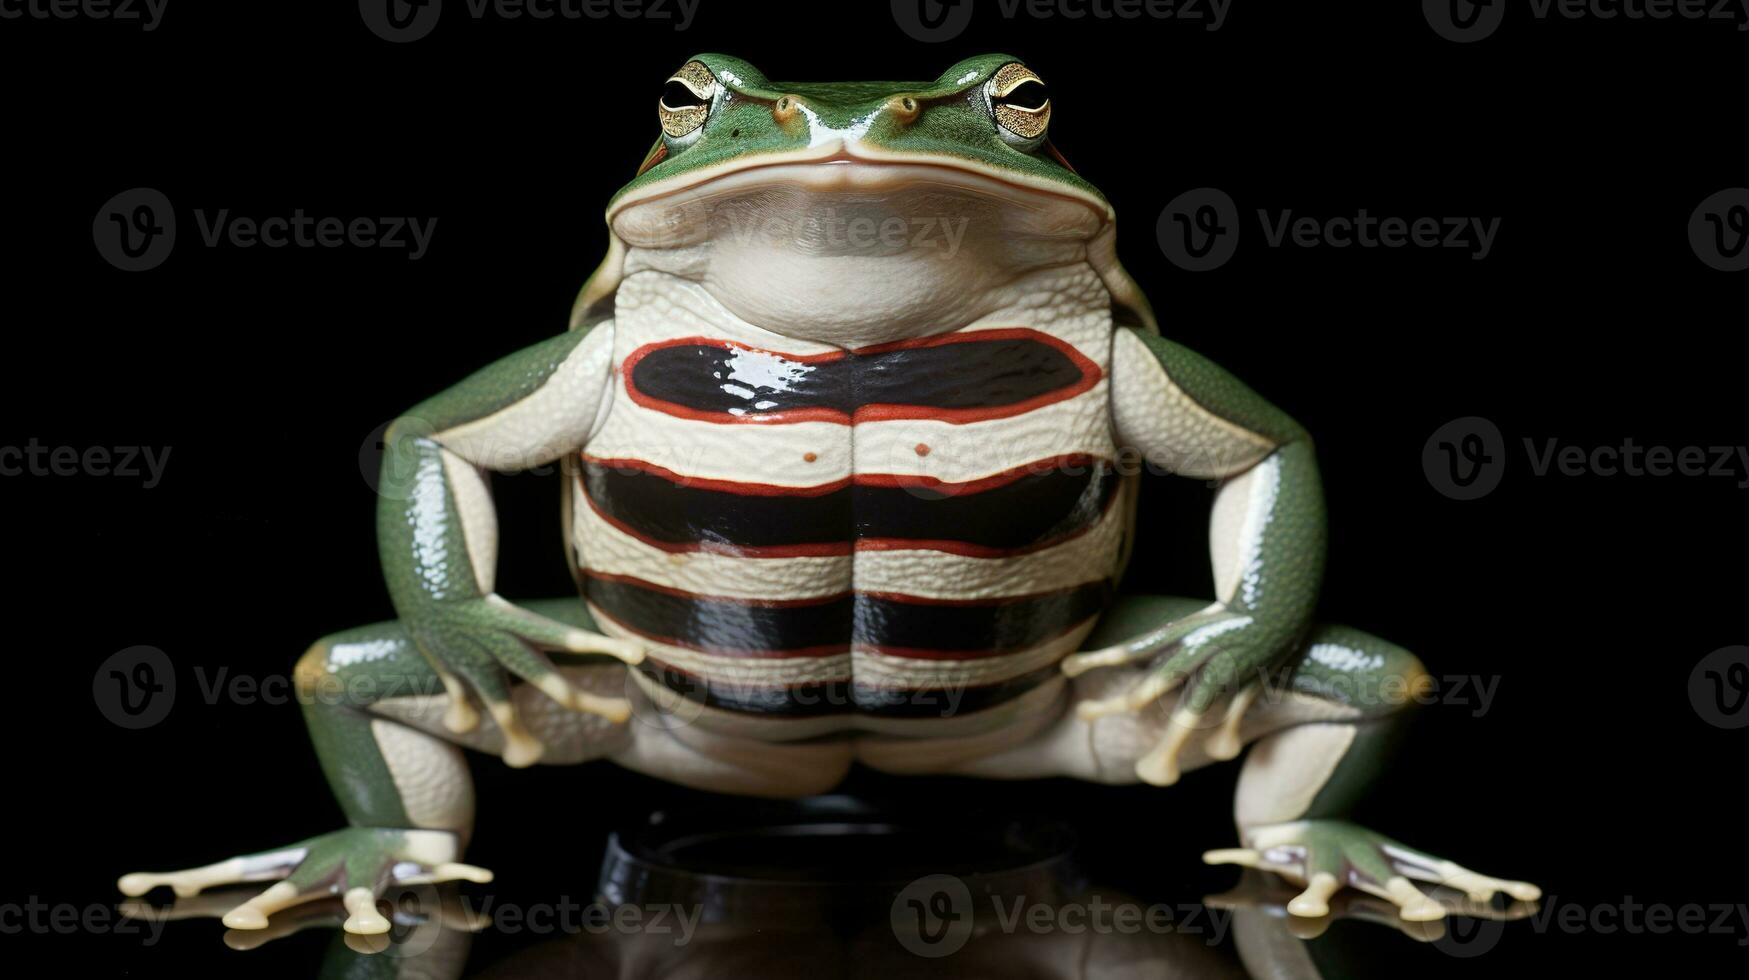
(387, 705)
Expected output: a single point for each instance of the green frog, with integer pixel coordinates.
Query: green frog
(851, 420)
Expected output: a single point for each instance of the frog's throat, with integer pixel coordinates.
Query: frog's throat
(926, 242)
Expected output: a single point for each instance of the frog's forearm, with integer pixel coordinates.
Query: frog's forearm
(436, 529)
(1267, 542)
(428, 551)
(1267, 536)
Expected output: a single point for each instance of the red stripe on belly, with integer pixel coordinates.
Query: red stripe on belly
(720, 486)
(945, 488)
(824, 549)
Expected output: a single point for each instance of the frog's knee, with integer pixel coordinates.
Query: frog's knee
(1361, 671)
(359, 667)
(311, 672)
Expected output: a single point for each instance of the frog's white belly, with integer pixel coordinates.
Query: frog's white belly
(903, 538)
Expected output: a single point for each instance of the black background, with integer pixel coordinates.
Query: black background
(1589, 599)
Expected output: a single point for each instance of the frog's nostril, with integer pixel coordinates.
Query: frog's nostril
(902, 108)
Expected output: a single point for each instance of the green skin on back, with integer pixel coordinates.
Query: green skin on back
(452, 635)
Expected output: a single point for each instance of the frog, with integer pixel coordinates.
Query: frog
(850, 423)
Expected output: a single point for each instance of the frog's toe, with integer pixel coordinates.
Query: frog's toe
(1449, 874)
(1309, 916)
(1323, 856)
(354, 865)
(253, 913)
(265, 866)
(1159, 767)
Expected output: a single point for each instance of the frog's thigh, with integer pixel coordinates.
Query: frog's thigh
(569, 736)
(1302, 733)
(659, 741)
(374, 709)
(654, 742)
(1318, 767)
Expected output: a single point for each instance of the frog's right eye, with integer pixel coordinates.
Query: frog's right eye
(686, 100)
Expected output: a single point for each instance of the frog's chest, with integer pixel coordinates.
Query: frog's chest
(897, 532)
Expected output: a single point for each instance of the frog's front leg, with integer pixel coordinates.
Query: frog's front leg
(374, 708)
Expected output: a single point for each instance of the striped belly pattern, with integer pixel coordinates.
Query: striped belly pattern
(910, 530)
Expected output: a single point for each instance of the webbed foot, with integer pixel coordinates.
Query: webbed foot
(1270, 894)
(1325, 856)
(355, 865)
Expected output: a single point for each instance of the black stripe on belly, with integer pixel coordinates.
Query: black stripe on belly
(1030, 509)
(898, 625)
(725, 626)
(988, 369)
(843, 697)
(942, 630)
(662, 510)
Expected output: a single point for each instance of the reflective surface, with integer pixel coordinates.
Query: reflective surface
(835, 888)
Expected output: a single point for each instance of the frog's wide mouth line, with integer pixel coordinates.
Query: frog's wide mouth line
(846, 174)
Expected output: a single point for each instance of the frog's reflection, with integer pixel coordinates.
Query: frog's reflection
(830, 888)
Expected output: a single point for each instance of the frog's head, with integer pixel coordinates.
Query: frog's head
(855, 212)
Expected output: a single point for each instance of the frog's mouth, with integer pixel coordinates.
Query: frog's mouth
(797, 203)
(849, 248)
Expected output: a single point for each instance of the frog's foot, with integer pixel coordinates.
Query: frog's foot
(440, 907)
(1324, 856)
(1220, 739)
(1270, 894)
(1206, 656)
(355, 865)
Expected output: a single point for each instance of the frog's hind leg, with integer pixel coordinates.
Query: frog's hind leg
(376, 713)
(1318, 734)
(1300, 780)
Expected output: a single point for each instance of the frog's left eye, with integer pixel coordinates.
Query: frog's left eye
(686, 99)
(1019, 101)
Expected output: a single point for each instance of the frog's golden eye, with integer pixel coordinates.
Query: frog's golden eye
(1020, 102)
(686, 99)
